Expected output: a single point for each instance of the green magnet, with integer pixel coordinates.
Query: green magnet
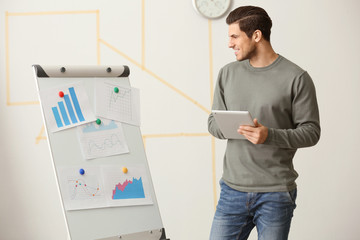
(116, 89)
(98, 121)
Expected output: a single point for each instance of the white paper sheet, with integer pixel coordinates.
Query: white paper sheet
(131, 188)
(82, 191)
(73, 109)
(102, 140)
(123, 106)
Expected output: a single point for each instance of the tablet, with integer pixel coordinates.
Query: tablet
(230, 121)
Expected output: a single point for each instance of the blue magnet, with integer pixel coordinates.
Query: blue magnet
(82, 171)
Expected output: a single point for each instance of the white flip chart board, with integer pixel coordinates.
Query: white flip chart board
(108, 194)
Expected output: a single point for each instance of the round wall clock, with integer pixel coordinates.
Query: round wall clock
(211, 8)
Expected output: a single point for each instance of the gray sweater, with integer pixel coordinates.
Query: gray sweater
(282, 97)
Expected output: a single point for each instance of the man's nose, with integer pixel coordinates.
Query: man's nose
(230, 45)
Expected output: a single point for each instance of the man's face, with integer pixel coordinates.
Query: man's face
(238, 40)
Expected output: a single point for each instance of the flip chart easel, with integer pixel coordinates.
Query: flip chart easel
(107, 223)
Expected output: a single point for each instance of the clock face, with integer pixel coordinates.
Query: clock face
(211, 8)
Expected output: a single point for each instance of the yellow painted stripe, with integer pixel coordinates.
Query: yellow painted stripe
(144, 141)
(211, 62)
(98, 35)
(143, 34)
(41, 135)
(7, 58)
(211, 68)
(23, 103)
(52, 13)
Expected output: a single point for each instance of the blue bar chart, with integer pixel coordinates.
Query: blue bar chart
(57, 117)
(68, 111)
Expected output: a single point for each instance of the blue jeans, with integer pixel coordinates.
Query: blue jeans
(237, 213)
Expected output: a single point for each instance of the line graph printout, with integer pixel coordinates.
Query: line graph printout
(102, 140)
(127, 189)
(66, 106)
(117, 102)
(82, 191)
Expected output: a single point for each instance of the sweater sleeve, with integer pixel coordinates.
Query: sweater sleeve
(218, 104)
(305, 116)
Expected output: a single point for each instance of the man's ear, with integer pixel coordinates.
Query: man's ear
(257, 36)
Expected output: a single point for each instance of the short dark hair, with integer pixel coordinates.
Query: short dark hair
(250, 19)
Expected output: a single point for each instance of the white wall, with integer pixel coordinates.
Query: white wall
(320, 36)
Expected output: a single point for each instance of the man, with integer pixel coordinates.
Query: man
(258, 184)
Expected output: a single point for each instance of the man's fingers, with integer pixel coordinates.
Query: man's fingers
(251, 138)
(256, 123)
(246, 128)
(252, 134)
(256, 134)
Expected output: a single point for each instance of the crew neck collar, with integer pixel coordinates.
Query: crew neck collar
(274, 63)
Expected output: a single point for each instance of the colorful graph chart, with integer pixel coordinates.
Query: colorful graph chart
(71, 104)
(129, 189)
(102, 140)
(80, 190)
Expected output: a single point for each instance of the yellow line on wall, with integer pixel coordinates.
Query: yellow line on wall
(211, 62)
(51, 13)
(143, 34)
(98, 35)
(22, 103)
(41, 135)
(213, 158)
(7, 58)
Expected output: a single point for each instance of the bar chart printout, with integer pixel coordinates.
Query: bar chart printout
(66, 106)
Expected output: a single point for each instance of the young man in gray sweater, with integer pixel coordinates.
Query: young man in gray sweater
(258, 184)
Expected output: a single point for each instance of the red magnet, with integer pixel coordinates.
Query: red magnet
(61, 94)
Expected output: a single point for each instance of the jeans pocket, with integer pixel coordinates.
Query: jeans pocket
(292, 195)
